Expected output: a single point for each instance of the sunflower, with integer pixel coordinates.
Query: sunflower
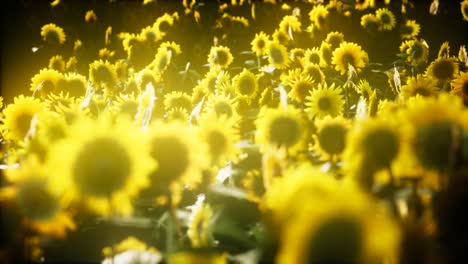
(386, 17)
(126, 105)
(164, 23)
(75, 84)
(313, 56)
(46, 82)
(464, 9)
(419, 85)
(200, 219)
(178, 152)
(259, 43)
(361, 4)
(53, 34)
(410, 29)
(18, 116)
(326, 53)
(90, 16)
(371, 23)
(145, 77)
(334, 39)
(245, 84)
(106, 54)
(105, 166)
(325, 100)
(444, 50)
(57, 63)
(171, 46)
(417, 51)
(349, 53)
(70, 66)
(281, 37)
(300, 87)
(443, 69)
(290, 23)
(297, 55)
(277, 55)
(176, 99)
(343, 230)
(220, 56)
(220, 135)
(161, 60)
(41, 206)
(150, 34)
(331, 135)
(122, 70)
(176, 114)
(221, 104)
(280, 128)
(102, 75)
(315, 72)
(318, 16)
(460, 86)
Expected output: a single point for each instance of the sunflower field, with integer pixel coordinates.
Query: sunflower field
(241, 131)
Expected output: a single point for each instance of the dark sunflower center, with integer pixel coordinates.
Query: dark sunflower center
(75, 87)
(217, 143)
(321, 19)
(302, 89)
(423, 91)
(434, 145)
(408, 30)
(417, 51)
(247, 85)
(102, 166)
(282, 38)
(337, 240)
(261, 44)
(35, 202)
(324, 104)
(284, 131)
(314, 58)
(277, 56)
(221, 57)
(151, 36)
(332, 138)
(104, 75)
(380, 147)
(443, 70)
(164, 26)
(372, 25)
(348, 59)
(315, 73)
(327, 54)
(53, 36)
(172, 156)
(223, 108)
(465, 88)
(23, 123)
(335, 41)
(385, 18)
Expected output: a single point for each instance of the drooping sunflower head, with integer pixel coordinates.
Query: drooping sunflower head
(443, 69)
(259, 43)
(371, 23)
(161, 60)
(315, 72)
(102, 75)
(419, 85)
(281, 37)
(297, 56)
(349, 53)
(46, 82)
(326, 53)
(57, 63)
(386, 17)
(18, 116)
(325, 101)
(75, 84)
(171, 46)
(175, 147)
(301, 86)
(277, 55)
(280, 128)
(220, 57)
(318, 16)
(460, 86)
(331, 135)
(245, 84)
(163, 24)
(53, 34)
(177, 99)
(290, 23)
(107, 163)
(410, 29)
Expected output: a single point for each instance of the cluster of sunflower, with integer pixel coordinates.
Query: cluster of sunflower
(292, 151)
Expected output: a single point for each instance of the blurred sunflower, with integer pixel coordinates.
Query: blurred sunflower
(464, 9)
(90, 16)
(18, 116)
(417, 51)
(177, 114)
(75, 84)
(171, 46)
(386, 17)
(220, 135)
(201, 217)
(145, 77)
(331, 136)
(281, 37)
(176, 99)
(245, 84)
(259, 43)
(150, 34)
(70, 66)
(220, 56)
(297, 56)
(277, 55)
(164, 23)
(221, 104)
(46, 82)
(349, 229)
(371, 23)
(361, 4)
(419, 85)
(334, 38)
(313, 56)
(280, 128)
(444, 50)
(326, 53)
(460, 86)
(318, 16)
(443, 69)
(102, 75)
(301, 86)
(177, 150)
(410, 29)
(105, 166)
(53, 34)
(41, 206)
(349, 53)
(161, 60)
(126, 105)
(122, 70)
(290, 23)
(315, 72)
(325, 101)
(57, 63)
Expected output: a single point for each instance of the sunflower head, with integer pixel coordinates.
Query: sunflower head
(331, 135)
(102, 75)
(386, 17)
(57, 63)
(75, 84)
(162, 60)
(349, 53)
(417, 50)
(53, 34)
(419, 85)
(314, 72)
(222, 104)
(176, 99)
(325, 101)
(460, 86)
(371, 23)
(301, 86)
(334, 39)
(46, 81)
(318, 16)
(410, 29)
(464, 9)
(443, 69)
(220, 57)
(245, 84)
(277, 55)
